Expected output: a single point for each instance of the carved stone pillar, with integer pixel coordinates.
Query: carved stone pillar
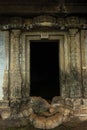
(73, 48)
(15, 71)
(75, 75)
(84, 61)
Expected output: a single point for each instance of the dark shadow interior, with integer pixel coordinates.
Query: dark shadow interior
(44, 69)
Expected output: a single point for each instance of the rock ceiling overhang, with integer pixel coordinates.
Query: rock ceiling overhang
(16, 8)
(30, 14)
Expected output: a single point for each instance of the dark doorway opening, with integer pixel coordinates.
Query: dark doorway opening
(44, 69)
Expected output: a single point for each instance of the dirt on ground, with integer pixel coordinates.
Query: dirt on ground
(74, 124)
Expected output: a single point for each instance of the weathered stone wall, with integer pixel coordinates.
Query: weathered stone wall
(2, 61)
(15, 64)
(6, 80)
(15, 39)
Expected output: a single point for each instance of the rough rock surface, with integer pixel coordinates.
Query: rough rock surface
(39, 105)
(48, 116)
(39, 112)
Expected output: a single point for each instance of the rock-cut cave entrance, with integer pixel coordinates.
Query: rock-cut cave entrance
(44, 69)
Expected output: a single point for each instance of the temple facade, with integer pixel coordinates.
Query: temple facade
(15, 40)
(63, 29)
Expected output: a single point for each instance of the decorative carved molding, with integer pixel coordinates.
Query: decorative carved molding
(44, 20)
(72, 21)
(73, 32)
(16, 33)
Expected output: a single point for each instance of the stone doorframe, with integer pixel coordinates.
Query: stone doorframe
(26, 38)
